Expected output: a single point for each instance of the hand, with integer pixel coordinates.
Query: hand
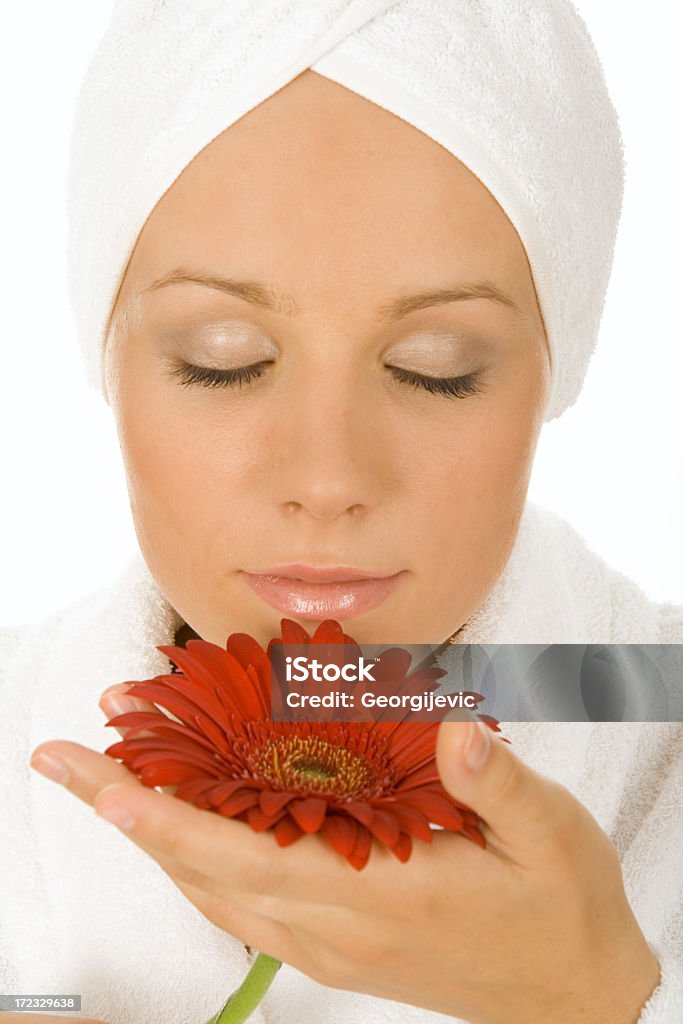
(536, 929)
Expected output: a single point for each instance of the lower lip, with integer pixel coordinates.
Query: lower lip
(322, 600)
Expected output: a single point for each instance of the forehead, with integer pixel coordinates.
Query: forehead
(319, 185)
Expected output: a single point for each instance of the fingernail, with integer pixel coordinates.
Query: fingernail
(113, 704)
(117, 688)
(51, 767)
(117, 814)
(477, 746)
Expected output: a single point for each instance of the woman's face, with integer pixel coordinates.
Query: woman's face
(327, 352)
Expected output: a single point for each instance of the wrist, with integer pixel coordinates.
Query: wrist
(609, 990)
(625, 983)
(632, 989)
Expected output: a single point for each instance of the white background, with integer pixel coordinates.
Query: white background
(611, 465)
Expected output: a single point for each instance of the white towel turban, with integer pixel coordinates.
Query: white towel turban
(513, 88)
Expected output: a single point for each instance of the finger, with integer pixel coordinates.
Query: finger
(204, 841)
(232, 914)
(219, 847)
(526, 812)
(83, 771)
(228, 909)
(89, 773)
(115, 701)
(274, 931)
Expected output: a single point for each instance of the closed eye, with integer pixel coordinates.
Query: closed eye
(212, 378)
(452, 387)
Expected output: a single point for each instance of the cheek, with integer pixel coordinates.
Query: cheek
(189, 461)
(473, 465)
(473, 486)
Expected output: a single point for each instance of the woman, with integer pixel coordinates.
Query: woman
(332, 275)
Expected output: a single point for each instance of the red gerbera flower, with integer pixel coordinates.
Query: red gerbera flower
(349, 781)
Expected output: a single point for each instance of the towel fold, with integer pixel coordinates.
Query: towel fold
(83, 910)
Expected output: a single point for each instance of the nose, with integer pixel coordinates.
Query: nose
(332, 458)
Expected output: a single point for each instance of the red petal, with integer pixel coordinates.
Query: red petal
(193, 788)
(242, 800)
(411, 820)
(116, 749)
(413, 742)
(424, 776)
(166, 773)
(475, 835)
(341, 832)
(162, 753)
(161, 725)
(469, 816)
(403, 848)
(134, 718)
(215, 681)
(166, 696)
(287, 832)
(213, 732)
(222, 790)
(271, 802)
(488, 720)
(393, 663)
(254, 700)
(260, 821)
(308, 814)
(328, 632)
(197, 683)
(362, 812)
(358, 857)
(385, 827)
(293, 633)
(435, 807)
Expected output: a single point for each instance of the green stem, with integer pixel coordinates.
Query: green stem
(244, 1000)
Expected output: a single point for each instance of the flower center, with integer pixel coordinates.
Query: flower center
(313, 770)
(313, 764)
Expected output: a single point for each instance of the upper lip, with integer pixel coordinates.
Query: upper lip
(321, 573)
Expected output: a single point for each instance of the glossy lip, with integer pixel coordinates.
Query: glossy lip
(320, 573)
(319, 592)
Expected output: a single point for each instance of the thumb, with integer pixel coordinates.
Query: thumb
(521, 808)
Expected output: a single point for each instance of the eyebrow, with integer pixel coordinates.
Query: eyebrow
(267, 297)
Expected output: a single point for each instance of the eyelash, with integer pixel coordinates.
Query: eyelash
(451, 387)
(212, 378)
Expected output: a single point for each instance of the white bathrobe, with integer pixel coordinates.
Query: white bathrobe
(84, 911)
